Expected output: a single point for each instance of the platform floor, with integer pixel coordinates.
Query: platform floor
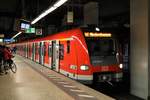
(27, 84)
(32, 82)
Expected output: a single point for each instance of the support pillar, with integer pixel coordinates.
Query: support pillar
(140, 48)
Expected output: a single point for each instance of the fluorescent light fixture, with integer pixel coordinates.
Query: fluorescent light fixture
(1, 40)
(59, 3)
(25, 20)
(16, 35)
(121, 66)
(52, 8)
(43, 15)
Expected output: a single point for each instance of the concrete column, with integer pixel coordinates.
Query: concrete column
(139, 49)
(91, 13)
(149, 50)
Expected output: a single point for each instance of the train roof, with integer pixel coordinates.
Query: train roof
(59, 35)
(77, 32)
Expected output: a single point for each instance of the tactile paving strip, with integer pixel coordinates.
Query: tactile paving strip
(68, 87)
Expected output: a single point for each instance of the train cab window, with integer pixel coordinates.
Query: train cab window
(68, 46)
(61, 51)
(100, 47)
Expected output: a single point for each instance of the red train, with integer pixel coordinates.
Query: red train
(81, 55)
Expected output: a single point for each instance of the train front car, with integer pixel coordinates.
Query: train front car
(104, 55)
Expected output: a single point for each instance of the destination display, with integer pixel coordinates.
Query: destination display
(97, 34)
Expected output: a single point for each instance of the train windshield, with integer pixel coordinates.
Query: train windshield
(101, 51)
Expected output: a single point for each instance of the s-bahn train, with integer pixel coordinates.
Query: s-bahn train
(81, 55)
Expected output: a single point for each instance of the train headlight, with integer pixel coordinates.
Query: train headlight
(121, 66)
(84, 67)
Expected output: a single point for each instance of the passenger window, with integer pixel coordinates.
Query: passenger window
(24, 48)
(33, 47)
(36, 48)
(50, 50)
(44, 51)
(61, 51)
(68, 46)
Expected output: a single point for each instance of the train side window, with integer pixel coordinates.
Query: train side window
(33, 47)
(61, 51)
(68, 46)
(36, 48)
(44, 49)
(50, 50)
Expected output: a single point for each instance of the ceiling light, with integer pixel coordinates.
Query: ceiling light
(16, 35)
(97, 29)
(59, 3)
(52, 8)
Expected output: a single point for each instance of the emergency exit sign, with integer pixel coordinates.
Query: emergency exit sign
(30, 30)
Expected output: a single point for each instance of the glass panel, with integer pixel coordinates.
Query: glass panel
(101, 51)
(68, 46)
(61, 52)
(50, 50)
(101, 47)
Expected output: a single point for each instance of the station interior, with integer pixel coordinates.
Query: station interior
(27, 23)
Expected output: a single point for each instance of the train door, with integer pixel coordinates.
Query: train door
(50, 54)
(27, 50)
(41, 53)
(30, 50)
(55, 55)
(24, 50)
(46, 53)
(33, 51)
(38, 52)
(26, 53)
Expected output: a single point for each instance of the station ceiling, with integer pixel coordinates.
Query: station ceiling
(111, 11)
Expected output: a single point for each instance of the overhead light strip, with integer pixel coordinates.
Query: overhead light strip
(16, 35)
(52, 8)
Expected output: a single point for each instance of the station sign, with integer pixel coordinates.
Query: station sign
(9, 40)
(70, 17)
(24, 24)
(38, 31)
(97, 34)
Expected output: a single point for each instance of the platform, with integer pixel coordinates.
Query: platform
(35, 82)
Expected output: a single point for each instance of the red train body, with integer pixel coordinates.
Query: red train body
(83, 56)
